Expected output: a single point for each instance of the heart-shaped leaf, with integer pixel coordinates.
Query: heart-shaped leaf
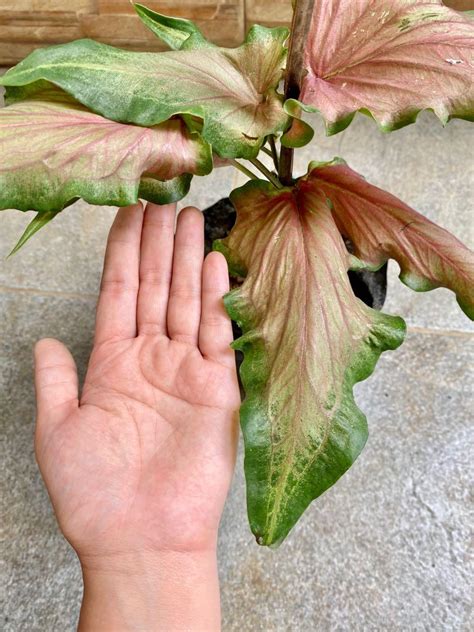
(380, 226)
(389, 58)
(232, 90)
(54, 150)
(307, 339)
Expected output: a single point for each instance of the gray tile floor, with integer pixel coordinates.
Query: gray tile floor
(387, 548)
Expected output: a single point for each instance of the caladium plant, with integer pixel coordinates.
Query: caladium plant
(86, 120)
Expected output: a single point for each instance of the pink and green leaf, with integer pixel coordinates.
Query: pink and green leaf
(54, 150)
(306, 340)
(233, 91)
(380, 227)
(390, 59)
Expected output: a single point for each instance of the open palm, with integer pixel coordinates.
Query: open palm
(144, 458)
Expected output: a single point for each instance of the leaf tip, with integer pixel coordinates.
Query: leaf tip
(267, 542)
(40, 220)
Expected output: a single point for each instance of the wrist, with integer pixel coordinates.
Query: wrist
(151, 592)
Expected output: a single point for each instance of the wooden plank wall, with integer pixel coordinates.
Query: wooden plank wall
(28, 24)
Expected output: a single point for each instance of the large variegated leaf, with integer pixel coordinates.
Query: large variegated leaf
(233, 91)
(381, 226)
(53, 150)
(307, 340)
(390, 58)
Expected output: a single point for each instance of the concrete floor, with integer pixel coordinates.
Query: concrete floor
(387, 547)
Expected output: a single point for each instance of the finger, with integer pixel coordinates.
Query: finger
(117, 308)
(56, 382)
(184, 306)
(215, 332)
(156, 263)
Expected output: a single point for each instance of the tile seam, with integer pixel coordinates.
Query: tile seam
(456, 333)
(53, 293)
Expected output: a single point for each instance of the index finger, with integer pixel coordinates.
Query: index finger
(117, 308)
(215, 332)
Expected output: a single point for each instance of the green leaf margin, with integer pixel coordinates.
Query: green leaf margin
(409, 119)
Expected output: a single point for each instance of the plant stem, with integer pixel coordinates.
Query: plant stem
(266, 172)
(295, 72)
(266, 151)
(274, 153)
(243, 169)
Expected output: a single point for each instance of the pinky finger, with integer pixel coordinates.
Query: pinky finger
(215, 331)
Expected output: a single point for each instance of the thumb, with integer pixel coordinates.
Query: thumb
(56, 381)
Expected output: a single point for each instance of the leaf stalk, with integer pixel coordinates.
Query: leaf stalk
(243, 169)
(267, 173)
(274, 152)
(266, 151)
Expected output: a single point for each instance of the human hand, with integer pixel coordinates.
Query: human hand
(138, 467)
